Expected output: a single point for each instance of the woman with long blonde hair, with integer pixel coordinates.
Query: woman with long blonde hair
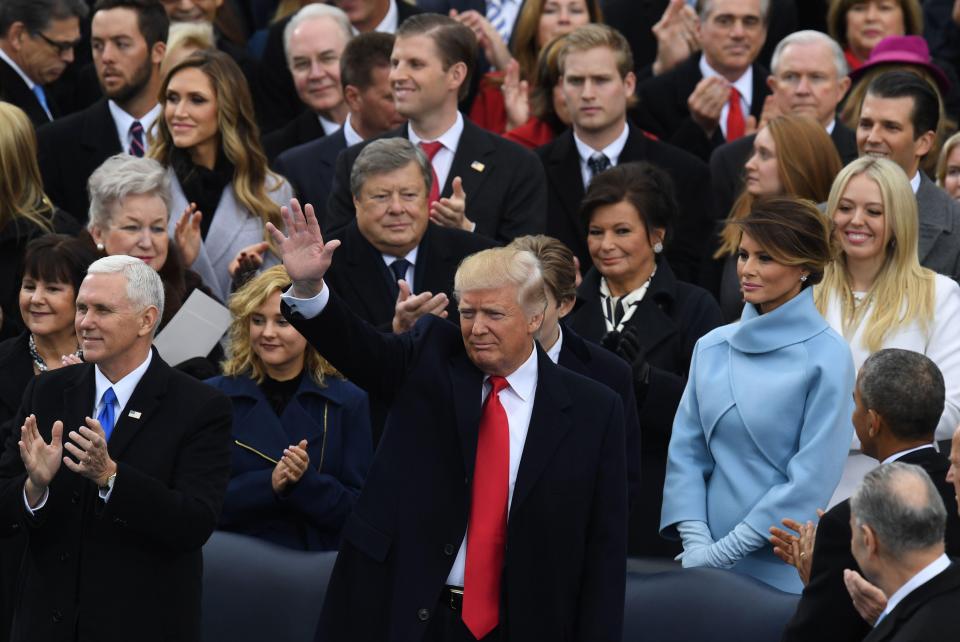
(302, 441)
(876, 293)
(209, 142)
(25, 211)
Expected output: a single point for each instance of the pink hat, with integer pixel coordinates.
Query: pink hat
(909, 50)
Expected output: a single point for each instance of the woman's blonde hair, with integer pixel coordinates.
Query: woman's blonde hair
(944, 155)
(21, 188)
(902, 291)
(805, 172)
(239, 134)
(241, 359)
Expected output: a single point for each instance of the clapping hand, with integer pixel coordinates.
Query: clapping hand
(488, 38)
(410, 308)
(452, 211)
(707, 101)
(796, 549)
(305, 256)
(187, 234)
(676, 34)
(88, 444)
(291, 467)
(869, 600)
(40, 459)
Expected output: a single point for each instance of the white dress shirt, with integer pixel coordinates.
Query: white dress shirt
(443, 159)
(903, 453)
(743, 84)
(122, 121)
(411, 257)
(611, 151)
(329, 126)
(928, 572)
(123, 389)
(350, 134)
(915, 182)
(554, 351)
(390, 21)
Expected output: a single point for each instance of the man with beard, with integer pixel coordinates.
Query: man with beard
(128, 40)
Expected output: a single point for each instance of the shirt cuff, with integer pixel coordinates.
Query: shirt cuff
(308, 308)
(43, 500)
(105, 494)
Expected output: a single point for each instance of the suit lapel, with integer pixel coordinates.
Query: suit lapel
(364, 274)
(259, 427)
(79, 399)
(564, 171)
(467, 381)
(100, 131)
(472, 162)
(140, 409)
(548, 426)
(931, 216)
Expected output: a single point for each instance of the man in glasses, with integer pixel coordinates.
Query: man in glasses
(37, 38)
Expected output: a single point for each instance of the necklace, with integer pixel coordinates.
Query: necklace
(38, 360)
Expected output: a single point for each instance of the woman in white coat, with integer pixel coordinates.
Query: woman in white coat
(877, 295)
(210, 145)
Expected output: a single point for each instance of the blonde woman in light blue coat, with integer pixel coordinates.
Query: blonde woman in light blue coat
(764, 423)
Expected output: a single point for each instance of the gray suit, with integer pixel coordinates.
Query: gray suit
(939, 244)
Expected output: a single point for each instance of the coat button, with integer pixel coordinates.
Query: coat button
(119, 522)
(14, 526)
(76, 497)
(449, 550)
(57, 616)
(64, 556)
(423, 615)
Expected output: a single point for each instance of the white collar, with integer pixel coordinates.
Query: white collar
(896, 456)
(829, 128)
(411, 257)
(611, 151)
(915, 182)
(743, 84)
(554, 351)
(329, 126)
(390, 21)
(926, 574)
(124, 120)
(523, 380)
(123, 388)
(16, 68)
(350, 134)
(449, 138)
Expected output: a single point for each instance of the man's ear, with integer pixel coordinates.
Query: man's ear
(157, 52)
(351, 95)
(566, 306)
(870, 543)
(876, 421)
(458, 74)
(630, 83)
(772, 83)
(148, 320)
(15, 34)
(924, 144)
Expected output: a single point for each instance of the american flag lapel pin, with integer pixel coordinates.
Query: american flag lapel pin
(477, 166)
(134, 414)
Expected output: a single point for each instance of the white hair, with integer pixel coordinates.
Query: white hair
(120, 176)
(144, 286)
(313, 12)
(810, 37)
(705, 8)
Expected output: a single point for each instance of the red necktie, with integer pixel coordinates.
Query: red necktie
(487, 529)
(736, 126)
(431, 149)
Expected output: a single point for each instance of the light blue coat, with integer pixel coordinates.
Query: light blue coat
(763, 429)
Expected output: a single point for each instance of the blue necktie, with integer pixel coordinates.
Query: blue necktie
(106, 416)
(42, 99)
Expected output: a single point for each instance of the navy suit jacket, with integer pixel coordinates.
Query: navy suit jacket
(14, 90)
(95, 570)
(504, 184)
(302, 129)
(564, 575)
(309, 168)
(335, 421)
(929, 612)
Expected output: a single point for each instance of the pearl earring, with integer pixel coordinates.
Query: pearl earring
(657, 247)
(803, 278)
(100, 247)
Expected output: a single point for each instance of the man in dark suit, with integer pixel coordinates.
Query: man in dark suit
(534, 478)
(808, 78)
(898, 520)
(714, 97)
(502, 182)
(899, 399)
(364, 75)
(37, 38)
(601, 137)
(898, 120)
(129, 42)
(116, 508)
(314, 40)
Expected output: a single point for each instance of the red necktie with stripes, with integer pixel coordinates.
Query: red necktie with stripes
(431, 149)
(736, 125)
(136, 139)
(487, 529)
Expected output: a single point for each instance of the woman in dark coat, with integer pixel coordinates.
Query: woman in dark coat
(631, 302)
(302, 441)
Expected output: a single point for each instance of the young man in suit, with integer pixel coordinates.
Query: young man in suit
(808, 77)
(713, 97)
(433, 59)
(898, 120)
(496, 520)
(597, 80)
(899, 399)
(365, 77)
(128, 41)
(37, 39)
(898, 518)
(116, 508)
(313, 40)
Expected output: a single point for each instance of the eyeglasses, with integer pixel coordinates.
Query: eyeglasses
(61, 46)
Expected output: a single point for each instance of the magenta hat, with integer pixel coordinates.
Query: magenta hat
(903, 50)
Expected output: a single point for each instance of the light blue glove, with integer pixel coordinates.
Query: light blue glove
(697, 540)
(726, 552)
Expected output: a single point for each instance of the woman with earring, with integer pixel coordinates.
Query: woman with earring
(764, 422)
(876, 293)
(631, 302)
(209, 142)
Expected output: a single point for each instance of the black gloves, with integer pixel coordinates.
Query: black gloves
(628, 347)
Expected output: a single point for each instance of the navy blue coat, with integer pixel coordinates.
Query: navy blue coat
(335, 421)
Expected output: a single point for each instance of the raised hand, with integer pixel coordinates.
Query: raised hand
(707, 101)
(676, 34)
(88, 445)
(252, 255)
(488, 38)
(452, 211)
(40, 459)
(186, 233)
(410, 308)
(516, 96)
(305, 256)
